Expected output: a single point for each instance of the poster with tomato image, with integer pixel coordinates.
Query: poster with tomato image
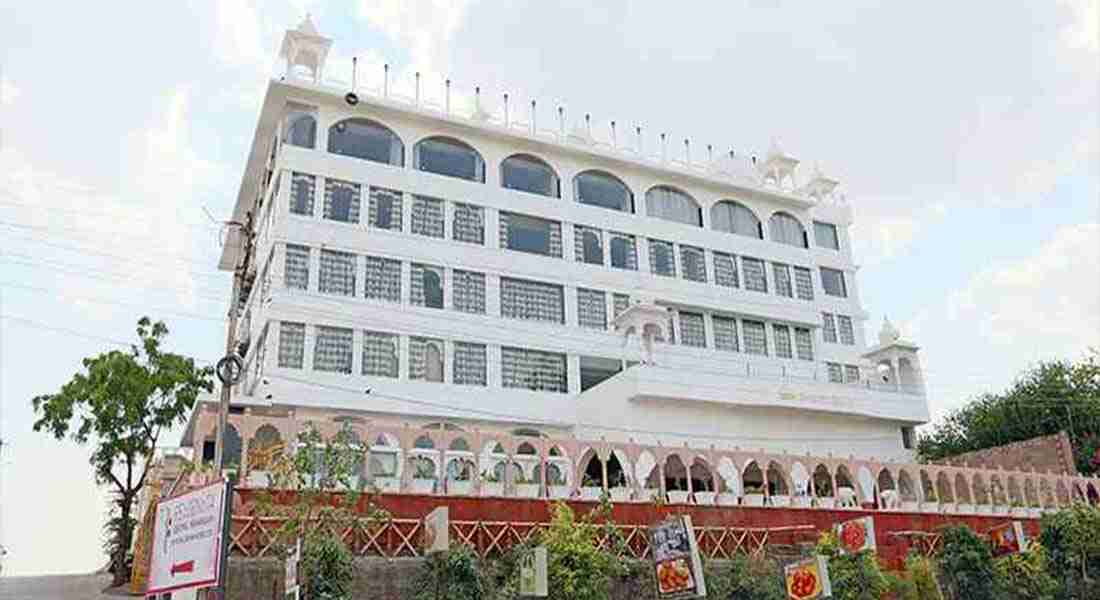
(808, 579)
(676, 564)
(856, 535)
(1007, 539)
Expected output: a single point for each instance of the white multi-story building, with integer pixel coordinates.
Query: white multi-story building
(403, 258)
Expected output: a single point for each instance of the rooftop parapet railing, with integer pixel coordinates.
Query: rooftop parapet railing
(444, 100)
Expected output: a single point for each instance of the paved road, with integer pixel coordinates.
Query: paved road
(57, 587)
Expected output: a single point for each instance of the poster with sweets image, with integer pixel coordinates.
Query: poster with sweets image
(856, 535)
(676, 564)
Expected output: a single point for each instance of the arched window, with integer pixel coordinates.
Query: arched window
(527, 173)
(450, 157)
(734, 217)
(300, 130)
(433, 289)
(368, 140)
(670, 204)
(433, 363)
(786, 229)
(603, 189)
(593, 251)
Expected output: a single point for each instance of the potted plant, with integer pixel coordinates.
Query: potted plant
(705, 496)
(1018, 509)
(590, 488)
(461, 483)
(423, 475)
(619, 488)
(754, 495)
(525, 487)
(726, 498)
(678, 496)
(491, 485)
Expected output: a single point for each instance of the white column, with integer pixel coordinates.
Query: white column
(708, 324)
(360, 276)
(406, 211)
(492, 295)
(402, 358)
(448, 360)
(568, 241)
(448, 289)
(492, 228)
(319, 197)
(493, 366)
(570, 299)
(448, 220)
(406, 282)
(315, 269)
(573, 367)
(642, 245)
(307, 357)
(356, 351)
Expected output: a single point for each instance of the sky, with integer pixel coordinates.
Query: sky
(965, 136)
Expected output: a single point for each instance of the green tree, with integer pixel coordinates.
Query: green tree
(120, 404)
(318, 491)
(1024, 576)
(456, 574)
(1050, 397)
(577, 567)
(750, 578)
(1071, 542)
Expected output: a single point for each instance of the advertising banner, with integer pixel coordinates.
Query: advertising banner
(189, 540)
(676, 563)
(1007, 539)
(532, 573)
(856, 535)
(437, 531)
(808, 579)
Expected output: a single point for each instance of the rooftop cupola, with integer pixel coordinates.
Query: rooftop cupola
(819, 187)
(895, 360)
(778, 167)
(304, 47)
(646, 320)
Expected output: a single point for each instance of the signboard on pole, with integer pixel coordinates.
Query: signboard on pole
(532, 573)
(676, 563)
(290, 585)
(1007, 539)
(437, 531)
(189, 538)
(856, 535)
(808, 579)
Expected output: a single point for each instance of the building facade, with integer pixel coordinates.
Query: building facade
(407, 260)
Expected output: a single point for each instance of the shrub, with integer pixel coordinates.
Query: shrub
(578, 569)
(1024, 576)
(749, 578)
(328, 568)
(452, 575)
(967, 565)
(854, 576)
(922, 573)
(1071, 540)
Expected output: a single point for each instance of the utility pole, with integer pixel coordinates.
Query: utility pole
(227, 383)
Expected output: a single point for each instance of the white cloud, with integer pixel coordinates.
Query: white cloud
(423, 27)
(9, 92)
(237, 39)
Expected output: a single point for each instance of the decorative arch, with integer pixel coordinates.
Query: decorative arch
(368, 140)
(823, 482)
(676, 474)
(300, 129)
(885, 481)
(752, 478)
(927, 487)
(785, 228)
(618, 471)
(777, 480)
(981, 491)
(733, 217)
(1015, 495)
(729, 480)
(645, 471)
(844, 478)
(997, 491)
(1031, 493)
(424, 442)
(673, 204)
(602, 189)
(943, 488)
(529, 173)
(449, 157)
(800, 479)
(1061, 493)
(702, 477)
(459, 444)
(906, 487)
(866, 483)
(962, 490)
(591, 469)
